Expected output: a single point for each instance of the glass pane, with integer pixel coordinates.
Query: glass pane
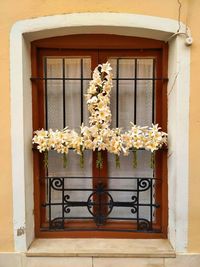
(126, 103)
(73, 169)
(85, 107)
(73, 120)
(113, 105)
(126, 170)
(87, 72)
(144, 103)
(54, 68)
(55, 104)
(145, 68)
(73, 104)
(113, 63)
(73, 68)
(126, 165)
(127, 68)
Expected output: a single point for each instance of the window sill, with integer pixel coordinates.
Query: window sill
(136, 248)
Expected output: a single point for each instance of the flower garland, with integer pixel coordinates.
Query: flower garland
(98, 135)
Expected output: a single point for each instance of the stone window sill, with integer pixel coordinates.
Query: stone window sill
(136, 248)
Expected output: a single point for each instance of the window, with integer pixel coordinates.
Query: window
(88, 202)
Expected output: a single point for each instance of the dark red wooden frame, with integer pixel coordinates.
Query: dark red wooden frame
(108, 45)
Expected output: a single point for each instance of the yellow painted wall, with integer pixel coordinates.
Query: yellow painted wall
(12, 11)
(194, 181)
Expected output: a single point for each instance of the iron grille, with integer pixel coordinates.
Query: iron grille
(101, 203)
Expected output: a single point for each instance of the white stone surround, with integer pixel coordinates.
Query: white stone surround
(23, 32)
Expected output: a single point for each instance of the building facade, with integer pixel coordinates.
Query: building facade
(162, 40)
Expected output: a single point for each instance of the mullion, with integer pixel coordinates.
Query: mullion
(117, 94)
(153, 93)
(63, 202)
(81, 90)
(64, 106)
(46, 95)
(49, 199)
(151, 204)
(135, 93)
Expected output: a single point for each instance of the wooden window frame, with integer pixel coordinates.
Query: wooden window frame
(65, 45)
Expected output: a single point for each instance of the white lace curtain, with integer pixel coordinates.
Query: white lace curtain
(73, 117)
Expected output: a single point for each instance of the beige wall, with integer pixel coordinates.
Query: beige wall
(12, 11)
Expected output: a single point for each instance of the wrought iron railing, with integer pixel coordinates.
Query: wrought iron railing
(110, 200)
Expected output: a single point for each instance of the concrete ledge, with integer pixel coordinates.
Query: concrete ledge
(136, 248)
(13, 259)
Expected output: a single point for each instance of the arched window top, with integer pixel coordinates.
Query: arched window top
(102, 41)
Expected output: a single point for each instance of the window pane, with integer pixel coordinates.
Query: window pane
(113, 63)
(73, 169)
(55, 104)
(126, 170)
(113, 105)
(76, 69)
(87, 72)
(126, 68)
(85, 107)
(73, 104)
(54, 68)
(145, 68)
(126, 91)
(126, 103)
(72, 68)
(126, 165)
(144, 103)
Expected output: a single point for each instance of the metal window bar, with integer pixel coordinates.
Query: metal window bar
(151, 205)
(88, 79)
(96, 199)
(135, 93)
(64, 110)
(81, 90)
(49, 201)
(153, 91)
(63, 202)
(45, 92)
(117, 94)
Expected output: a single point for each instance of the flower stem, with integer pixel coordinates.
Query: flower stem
(99, 162)
(82, 160)
(134, 158)
(64, 160)
(152, 160)
(46, 159)
(117, 161)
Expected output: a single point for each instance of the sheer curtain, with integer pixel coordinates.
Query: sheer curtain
(55, 109)
(127, 69)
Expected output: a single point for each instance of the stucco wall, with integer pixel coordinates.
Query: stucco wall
(12, 11)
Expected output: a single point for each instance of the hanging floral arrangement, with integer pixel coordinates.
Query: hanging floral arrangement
(98, 135)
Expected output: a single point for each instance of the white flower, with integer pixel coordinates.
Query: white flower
(106, 67)
(92, 100)
(99, 135)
